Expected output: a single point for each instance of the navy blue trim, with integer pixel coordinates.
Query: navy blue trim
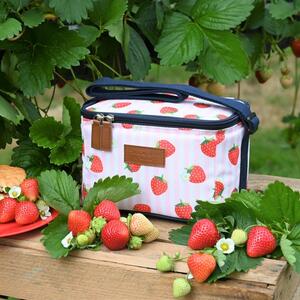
(244, 161)
(177, 93)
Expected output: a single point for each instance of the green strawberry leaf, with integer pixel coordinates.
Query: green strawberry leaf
(59, 191)
(8, 132)
(221, 15)
(71, 116)
(181, 40)
(181, 235)
(114, 188)
(33, 17)
(8, 112)
(9, 28)
(45, 132)
(280, 204)
(30, 157)
(287, 250)
(281, 9)
(220, 258)
(88, 33)
(53, 235)
(18, 4)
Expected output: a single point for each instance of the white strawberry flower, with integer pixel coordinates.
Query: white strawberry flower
(45, 212)
(14, 192)
(225, 245)
(67, 240)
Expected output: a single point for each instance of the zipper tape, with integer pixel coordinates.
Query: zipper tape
(170, 93)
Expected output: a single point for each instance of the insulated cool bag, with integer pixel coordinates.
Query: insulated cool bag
(179, 143)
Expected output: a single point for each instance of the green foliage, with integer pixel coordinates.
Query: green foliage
(113, 188)
(33, 18)
(59, 191)
(9, 28)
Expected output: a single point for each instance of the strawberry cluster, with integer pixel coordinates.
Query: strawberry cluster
(108, 227)
(21, 204)
(205, 236)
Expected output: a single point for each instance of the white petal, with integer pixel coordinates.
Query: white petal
(66, 241)
(2, 196)
(228, 242)
(14, 192)
(189, 276)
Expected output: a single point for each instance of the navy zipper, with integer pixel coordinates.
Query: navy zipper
(152, 120)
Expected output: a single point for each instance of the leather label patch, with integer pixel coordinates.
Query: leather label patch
(96, 135)
(145, 156)
(101, 135)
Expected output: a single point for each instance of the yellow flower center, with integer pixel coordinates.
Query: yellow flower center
(224, 247)
(14, 194)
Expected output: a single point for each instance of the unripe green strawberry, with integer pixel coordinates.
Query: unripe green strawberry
(85, 238)
(135, 243)
(97, 224)
(181, 287)
(124, 220)
(165, 263)
(239, 237)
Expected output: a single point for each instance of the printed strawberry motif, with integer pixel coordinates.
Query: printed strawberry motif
(96, 165)
(115, 235)
(131, 112)
(260, 242)
(204, 234)
(127, 125)
(196, 174)
(134, 112)
(121, 104)
(107, 210)
(26, 213)
(218, 190)
(78, 221)
(233, 154)
(222, 117)
(132, 167)
(183, 210)
(209, 147)
(220, 136)
(201, 265)
(158, 185)
(7, 209)
(169, 148)
(168, 110)
(30, 189)
(190, 116)
(157, 101)
(141, 207)
(201, 105)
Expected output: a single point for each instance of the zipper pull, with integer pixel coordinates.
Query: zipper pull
(106, 133)
(96, 131)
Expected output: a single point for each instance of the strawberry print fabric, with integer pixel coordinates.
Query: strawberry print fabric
(200, 164)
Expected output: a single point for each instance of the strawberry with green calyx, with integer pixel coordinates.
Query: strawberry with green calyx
(167, 146)
(239, 236)
(204, 234)
(165, 263)
(135, 242)
(132, 167)
(26, 212)
(261, 241)
(196, 174)
(218, 190)
(181, 287)
(30, 189)
(220, 136)
(201, 265)
(209, 147)
(121, 104)
(286, 81)
(152, 235)
(233, 154)
(168, 110)
(263, 74)
(96, 164)
(97, 224)
(140, 225)
(86, 238)
(108, 210)
(78, 221)
(216, 88)
(183, 210)
(7, 209)
(159, 185)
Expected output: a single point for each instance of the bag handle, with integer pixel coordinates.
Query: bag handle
(174, 93)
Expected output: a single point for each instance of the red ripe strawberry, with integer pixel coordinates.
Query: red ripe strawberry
(121, 104)
(204, 234)
(78, 221)
(132, 167)
(222, 117)
(295, 45)
(26, 213)
(183, 210)
(219, 188)
(127, 125)
(7, 209)
(30, 189)
(115, 235)
(263, 75)
(201, 265)
(169, 148)
(197, 174)
(96, 166)
(140, 207)
(233, 154)
(107, 210)
(209, 147)
(168, 110)
(220, 136)
(201, 105)
(158, 185)
(260, 242)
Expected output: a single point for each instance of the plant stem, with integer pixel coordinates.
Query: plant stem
(76, 84)
(106, 65)
(71, 85)
(238, 90)
(297, 83)
(93, 66)
(46, 110)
